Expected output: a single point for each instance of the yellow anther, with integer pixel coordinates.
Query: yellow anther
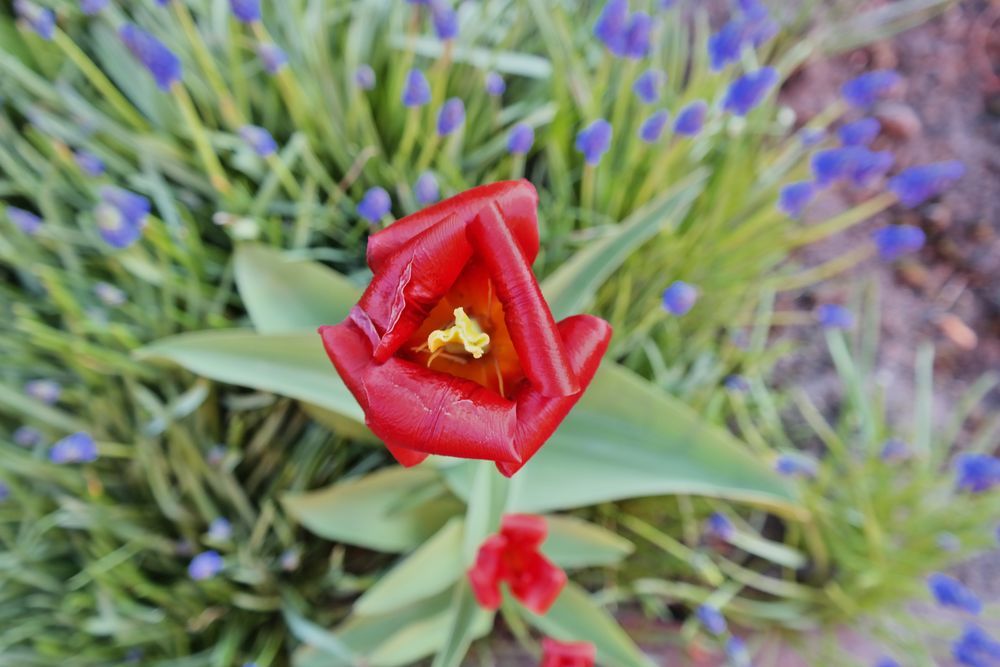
(465, 332)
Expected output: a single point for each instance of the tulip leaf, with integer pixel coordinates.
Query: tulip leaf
(486, 505)
(571, 287)
(394, 509)
(575, 617)
(288, 296)
(574, 543)
(465, 622)
(431, 569)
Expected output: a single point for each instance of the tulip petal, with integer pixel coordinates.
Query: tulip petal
(538, 584)
(484, 575)
(524, 531)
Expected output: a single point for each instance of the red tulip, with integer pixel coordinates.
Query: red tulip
(567, 654)
(452, 349)
(513, 556)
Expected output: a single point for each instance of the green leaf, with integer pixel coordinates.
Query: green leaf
(308, 632)
(465, 622)
(575, 617)
(486, 505)
(575, 543)
(505, 62)
(571, 288)
(628, 438)
(287, 296)
(293, 365)
(431, 569)
(377, 511)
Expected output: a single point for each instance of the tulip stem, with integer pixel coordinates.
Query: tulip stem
(205, 151)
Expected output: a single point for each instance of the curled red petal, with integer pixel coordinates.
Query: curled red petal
(406, 457)
(567, 654)
(586, 337)
(539, 347)
(412, 407)
(484, 575)
(538, 582)
(517, 200)
(524, 531)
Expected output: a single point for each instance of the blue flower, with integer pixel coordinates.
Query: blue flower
(749, 90)
(520, 139)
(833, 316)
(810, 136)
(725, 46)
(794, 197)
(290, 560)
(865, 90)
(894, 450)
(26, 221)
(445, 20)
(679, 298)
(153, 54)
(91, 7)
(897, 241)
(666, 4)
(416, 90)
(976, 472)
(649, 84)
(4, 492)
(75, 448)
(796, 465)
(712, 619)
(364, 77)
(887, 662)
(976, 648)
(950, 592)
(736, 651)
(27, 436)
(636, 40)
(246, 11)
(220, 530)
(736, 384)
(495, 85)
(652, 128)
(374, 205)
(916, 185)
(426, 188)
(691, 119)
(41, 19)
(259, 139)
(272, 57)
(832, 164)
(205, 565)
(758, 27)
(109, 295)
(720, 526)
(860, 132)
(450, 116)
(121, 216)
(89, 163)
(611, 25)
(46, 391)
(867, 166)
(594, 140)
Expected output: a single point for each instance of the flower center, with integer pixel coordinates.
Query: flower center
(464, 335)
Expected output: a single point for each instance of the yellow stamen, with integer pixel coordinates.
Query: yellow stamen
(464, 331)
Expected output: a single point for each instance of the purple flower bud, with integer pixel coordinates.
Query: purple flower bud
(758, 27)
(4, 492)
(976, 472)
(495, 85)
(887, 662)
(416, 91)
(89, 163)
(720, 526)
(724, 47)
(712, 619)
(75, 448)
(949, 592)
(26, 221)
(652, 128)
(736, 651)
(868, 166)
(364, 77)
(594, 140)
(691, 119)
(272, 57)
(109, 295)
(894, 450)
(860, 132)
(796, 465)
(220, 530)
(794, 197)
(445, 20)
(679, 298)
(41, 19)
(153, 54)
(290, 560)
(832, 164)
(121, 216)
(810, 136)
(749, 90)
(897, 241)
(259, 139)
(833, 316)
(46, 391)
(426, 188)
(865, 90)
(649, 84)
(736, 384)
(375, 205)
(27, 436)
(91, 7)
(163, 3)
(611, 25)
(246, 11)
(520, 139)
(666, 4)
(976, 648)
(637, 35)
(915, 185)
(205, 565)
(451, 116)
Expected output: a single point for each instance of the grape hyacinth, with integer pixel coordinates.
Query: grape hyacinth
(594, 140)
(259, 139)
(649, 84)
(153, 54)
(897, 241)
(691, 119)
(865, 90)
(416, 91)
(636, 39)
(796, 465)
(718, 525)
(26, 436)
(736, 384)
(4, 492)
(272, 57)
(724, 46)
(915, 185)
(364, 77)
(894, 450)
(109, 295)
(712, 619)
(860, 132)
(451, 116)
(445, 20)
(652, 128)
(89, 163)
(220, 530)
(950, 592)
(976, 472)
(121, 216)
(679, 298)
(91, 7)
(976, 648)
(611, 25)
(794, 197)
(374, 205)
(41, 19)
(834, 316)
(737, 652)
(749, 90)
(867, 166)
(205, 565)
(520, 139)
(75, 448)
(246, 11)
(426, 189)
(887, 662)
(26, 221)
(46, 391)
(495, 85)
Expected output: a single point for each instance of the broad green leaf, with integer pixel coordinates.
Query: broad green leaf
(506, 62)
(572, 286)
(465, 621)
(311, 634)
(288, 296)
(431, 569)
(486, 504)
(575, 543)
(392, 510)
(293, 365)
(629, 439)
(575, 617)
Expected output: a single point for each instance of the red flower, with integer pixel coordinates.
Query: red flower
(567, 654)
(512, 556)
(452, 349)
